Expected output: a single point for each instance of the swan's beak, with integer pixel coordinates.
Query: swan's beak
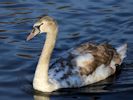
(33, 33)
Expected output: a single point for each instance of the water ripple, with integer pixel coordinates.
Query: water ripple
(79, 21)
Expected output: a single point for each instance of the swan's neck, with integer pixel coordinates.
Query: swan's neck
(41, 73)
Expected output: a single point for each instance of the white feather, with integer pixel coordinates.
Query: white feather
(101, 73)
(122, 51)
(84, 58)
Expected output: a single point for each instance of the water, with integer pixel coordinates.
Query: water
(79, 21)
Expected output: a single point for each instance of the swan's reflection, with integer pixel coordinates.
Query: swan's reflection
(47, 97)
(41, 97)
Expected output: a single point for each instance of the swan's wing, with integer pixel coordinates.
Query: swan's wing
(90, 56)
(70, 69)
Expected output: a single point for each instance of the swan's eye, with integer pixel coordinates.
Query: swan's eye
(38, 27)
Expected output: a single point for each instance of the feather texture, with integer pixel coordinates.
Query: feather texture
(83, 65)
(86, 64)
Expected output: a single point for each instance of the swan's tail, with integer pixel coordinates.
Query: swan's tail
(122, 51)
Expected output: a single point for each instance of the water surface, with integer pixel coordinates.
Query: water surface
(79, 21)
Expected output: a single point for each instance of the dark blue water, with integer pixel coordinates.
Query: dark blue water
(79, 21)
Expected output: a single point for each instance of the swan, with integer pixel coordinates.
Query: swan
(80, 66)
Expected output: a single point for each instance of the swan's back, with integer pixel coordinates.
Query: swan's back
(84, 65)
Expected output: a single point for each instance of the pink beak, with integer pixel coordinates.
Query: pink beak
(33, 33)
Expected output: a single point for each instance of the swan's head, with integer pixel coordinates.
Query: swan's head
(45, 24)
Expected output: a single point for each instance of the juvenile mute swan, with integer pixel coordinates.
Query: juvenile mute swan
(86, 64)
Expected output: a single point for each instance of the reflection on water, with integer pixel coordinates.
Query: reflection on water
(41, 97)
(79, 21)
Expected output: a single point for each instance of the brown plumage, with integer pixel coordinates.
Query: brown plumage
(86, 64)
(103, 54)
